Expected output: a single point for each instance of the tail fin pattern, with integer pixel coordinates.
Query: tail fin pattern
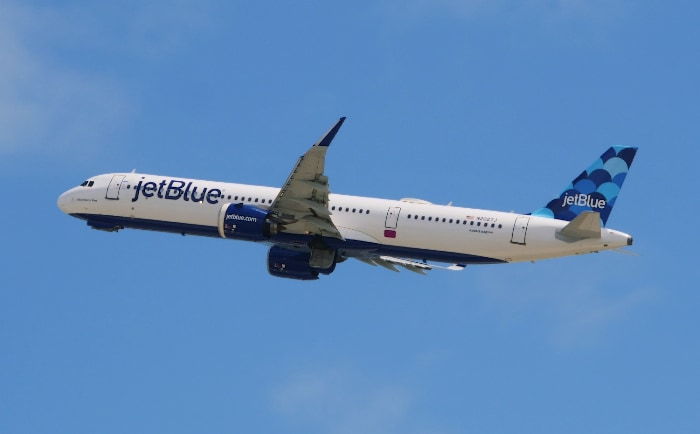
(595, 189)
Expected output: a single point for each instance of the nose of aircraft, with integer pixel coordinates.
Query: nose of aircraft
(64, 201)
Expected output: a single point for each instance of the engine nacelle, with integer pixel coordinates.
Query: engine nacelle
(290, 264)
(244, 222)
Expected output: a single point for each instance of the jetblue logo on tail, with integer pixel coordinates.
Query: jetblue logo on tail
(583, 200)
(595, 189)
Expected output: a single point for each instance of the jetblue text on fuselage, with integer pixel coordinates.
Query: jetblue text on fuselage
(176, 190)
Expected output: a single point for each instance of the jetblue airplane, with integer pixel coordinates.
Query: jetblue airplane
(309, 230)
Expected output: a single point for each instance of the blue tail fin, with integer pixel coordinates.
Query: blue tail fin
(595, 189)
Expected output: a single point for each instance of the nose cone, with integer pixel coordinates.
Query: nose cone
(64, 202)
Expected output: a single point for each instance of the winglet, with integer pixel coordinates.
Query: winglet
(330, 135)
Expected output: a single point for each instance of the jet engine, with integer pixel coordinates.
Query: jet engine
(293, 264)
(244, 222)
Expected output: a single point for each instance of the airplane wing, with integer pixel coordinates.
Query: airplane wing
(390, 263)
(301, 207)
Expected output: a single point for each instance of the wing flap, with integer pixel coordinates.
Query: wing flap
(323, 225)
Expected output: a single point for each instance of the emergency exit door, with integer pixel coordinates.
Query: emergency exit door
(392, 217)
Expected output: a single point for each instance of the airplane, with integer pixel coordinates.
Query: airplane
(310, 230)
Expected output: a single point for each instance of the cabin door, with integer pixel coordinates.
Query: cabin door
(114, 186)
(520, 230)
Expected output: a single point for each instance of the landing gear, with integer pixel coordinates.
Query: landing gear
(322, 258)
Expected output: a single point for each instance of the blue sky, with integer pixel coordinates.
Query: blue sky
(494, 105)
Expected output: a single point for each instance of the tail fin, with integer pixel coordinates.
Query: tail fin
(595, 189)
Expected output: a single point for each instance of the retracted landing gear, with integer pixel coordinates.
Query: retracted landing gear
(322, 258)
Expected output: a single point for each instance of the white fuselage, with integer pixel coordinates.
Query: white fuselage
(406, 228)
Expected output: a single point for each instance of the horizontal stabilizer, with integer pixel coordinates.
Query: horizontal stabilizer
(375, 260)
(585, 225)
(390, 263)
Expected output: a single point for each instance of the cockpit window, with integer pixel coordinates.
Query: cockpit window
(84, 184)
(91, 183)
(87, 184)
